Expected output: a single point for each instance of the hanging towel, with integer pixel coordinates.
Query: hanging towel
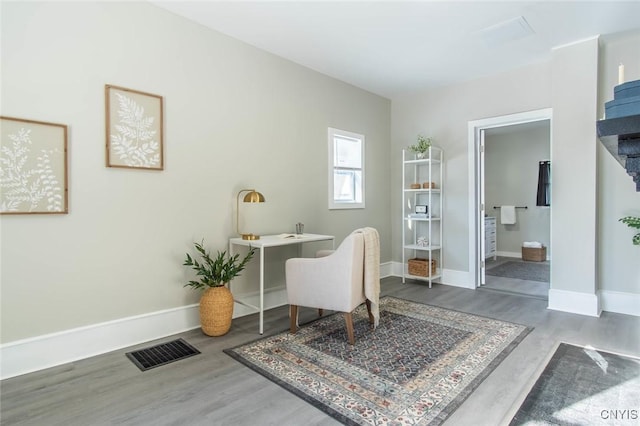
(508, 215)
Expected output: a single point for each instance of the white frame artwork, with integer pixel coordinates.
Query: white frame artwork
(33, 167)
(134, 129)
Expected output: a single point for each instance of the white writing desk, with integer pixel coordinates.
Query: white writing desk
(264, 242)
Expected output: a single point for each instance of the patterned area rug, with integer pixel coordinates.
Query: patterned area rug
(582, 386)
(415, 368)
(531, 271)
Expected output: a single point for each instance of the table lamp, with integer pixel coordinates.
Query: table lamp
(252, 196)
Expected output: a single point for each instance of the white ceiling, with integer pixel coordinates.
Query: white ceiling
(394, 47)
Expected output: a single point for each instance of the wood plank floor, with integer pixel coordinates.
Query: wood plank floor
(214, 389)
(513, 285)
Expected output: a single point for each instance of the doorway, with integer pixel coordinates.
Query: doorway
(513, 158)
(479, 208)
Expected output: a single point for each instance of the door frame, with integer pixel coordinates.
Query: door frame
(476, 210)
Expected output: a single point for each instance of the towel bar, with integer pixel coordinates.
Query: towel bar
(523, 207)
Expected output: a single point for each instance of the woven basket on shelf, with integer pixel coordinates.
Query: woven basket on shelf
(534, 254)
(418, 267)
(216, 311)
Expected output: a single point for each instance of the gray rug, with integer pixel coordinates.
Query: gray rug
(581, 386)
(531, 271)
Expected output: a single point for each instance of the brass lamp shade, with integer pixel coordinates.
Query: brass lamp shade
(252, 196)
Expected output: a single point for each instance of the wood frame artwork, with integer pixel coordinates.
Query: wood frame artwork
(134, 129)
(33, 167)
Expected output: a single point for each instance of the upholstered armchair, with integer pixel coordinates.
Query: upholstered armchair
(334, 281)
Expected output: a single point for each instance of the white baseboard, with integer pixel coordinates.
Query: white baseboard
(574, 302)
(516, 254)
(449, 276)
(620, 302)
(509, 254)
(37, 353)
(40, 352)
(386, 269)
(455, 278)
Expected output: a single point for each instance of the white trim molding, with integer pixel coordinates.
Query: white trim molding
(37, 353)
(620, 302)
(473, 147)
(513, 254)
(574, 302)
(50, 350)
(450, 277)
(386, 269)
(463, 279)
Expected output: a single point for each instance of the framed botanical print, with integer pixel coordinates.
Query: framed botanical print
(134, 128)
(33, 167)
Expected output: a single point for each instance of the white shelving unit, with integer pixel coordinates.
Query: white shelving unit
(422, 234)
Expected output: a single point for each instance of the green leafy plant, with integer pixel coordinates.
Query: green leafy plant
(633, 222)
(215, 272)
(422, 145)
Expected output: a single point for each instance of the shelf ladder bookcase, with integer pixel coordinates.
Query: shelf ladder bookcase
(422, 185)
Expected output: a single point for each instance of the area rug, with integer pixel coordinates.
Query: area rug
(530, 271)
(584, 386)
(415, 368)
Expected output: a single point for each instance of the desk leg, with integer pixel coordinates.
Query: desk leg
(261, 290)
(230, 255)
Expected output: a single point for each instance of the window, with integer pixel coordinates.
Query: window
(346, 170)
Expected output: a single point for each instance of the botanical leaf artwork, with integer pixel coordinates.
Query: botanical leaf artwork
(134, 140)
(29, 181)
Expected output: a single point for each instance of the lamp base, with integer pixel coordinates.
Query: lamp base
(250, 237)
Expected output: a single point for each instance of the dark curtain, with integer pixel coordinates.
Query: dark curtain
(543, 197)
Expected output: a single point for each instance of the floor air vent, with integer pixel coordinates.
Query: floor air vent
(162, 354)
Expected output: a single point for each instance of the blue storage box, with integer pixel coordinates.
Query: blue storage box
(626, 90)
(622, 107)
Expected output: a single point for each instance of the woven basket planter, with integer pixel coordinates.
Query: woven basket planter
(216, 311)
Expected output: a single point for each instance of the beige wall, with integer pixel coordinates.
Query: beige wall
(573, 151)
(618, 259)
(235, 117)
(444, 114)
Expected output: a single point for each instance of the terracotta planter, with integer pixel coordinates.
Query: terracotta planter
(216, 311)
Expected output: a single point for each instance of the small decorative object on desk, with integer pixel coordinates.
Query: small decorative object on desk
(299, 228)
(421, 147)
(422, 241)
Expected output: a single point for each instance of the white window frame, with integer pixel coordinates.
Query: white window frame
(333, 203)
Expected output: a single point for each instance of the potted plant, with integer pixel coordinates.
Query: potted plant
(421, 147)
(633, 222)
(216, 303)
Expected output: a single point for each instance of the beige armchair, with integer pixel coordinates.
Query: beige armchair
(334, 281)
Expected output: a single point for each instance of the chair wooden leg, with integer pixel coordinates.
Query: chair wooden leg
(371, 319)
(348, 319)
(293, 313)
(320, 312)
